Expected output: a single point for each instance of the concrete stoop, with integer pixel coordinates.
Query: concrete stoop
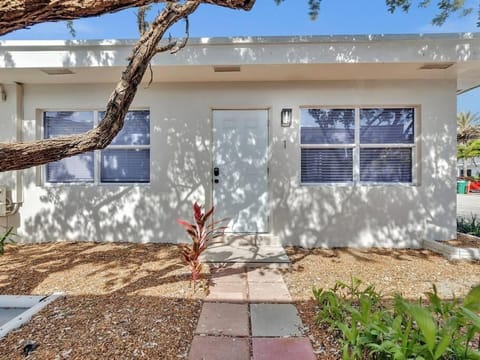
(248, 240)
(246, 250)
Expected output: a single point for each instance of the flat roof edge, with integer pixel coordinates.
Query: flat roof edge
(272, 40)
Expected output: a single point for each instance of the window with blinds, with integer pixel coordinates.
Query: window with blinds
(126, 160)
(78, 168)
(369, 145)
(327, 137)
(386, 145)
(326, 165)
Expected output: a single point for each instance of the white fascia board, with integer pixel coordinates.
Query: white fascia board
(250, 50)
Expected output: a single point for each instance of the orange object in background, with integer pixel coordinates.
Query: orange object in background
(474, 186)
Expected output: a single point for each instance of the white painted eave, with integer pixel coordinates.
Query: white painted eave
(261, 58)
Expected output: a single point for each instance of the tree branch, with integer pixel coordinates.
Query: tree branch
(20, 14)
(174, 46)
(16, 156)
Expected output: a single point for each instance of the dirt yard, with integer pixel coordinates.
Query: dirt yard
(122, 301)
(465, 241)
(408, 272)
(127, 301)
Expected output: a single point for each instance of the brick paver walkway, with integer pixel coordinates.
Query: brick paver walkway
(248, 315)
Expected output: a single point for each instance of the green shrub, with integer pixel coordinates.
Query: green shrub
(368, 329)
(470, 226)
(6, 237)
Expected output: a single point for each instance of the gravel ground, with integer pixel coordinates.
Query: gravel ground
(123, 301)
(409, 272)
(465, 241)
(126, 301)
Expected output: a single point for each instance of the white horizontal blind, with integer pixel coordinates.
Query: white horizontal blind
(331, 130)
(326, 165)
(79, 168)
(381, 151)
(387, 126)
(386, 165)
(327, 126)
(136, 129)
(126, 160)
(58, 123)
(125, 165)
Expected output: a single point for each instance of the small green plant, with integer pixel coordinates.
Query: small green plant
(368, 329)
(6, 237)
(468, 226)
(201, 232)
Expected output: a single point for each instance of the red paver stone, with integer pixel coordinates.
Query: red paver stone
(223, 319)
(219, 348)
(282, 349)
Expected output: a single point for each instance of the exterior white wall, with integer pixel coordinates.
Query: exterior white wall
(310, 216)
(8, 133)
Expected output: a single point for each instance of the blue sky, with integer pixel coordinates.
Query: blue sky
(266, 18)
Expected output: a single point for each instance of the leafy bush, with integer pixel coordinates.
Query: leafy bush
(368, 329)
(201, 233)
(6, 237)
(470, 226)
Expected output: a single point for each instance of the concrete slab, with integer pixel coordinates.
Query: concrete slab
(274, 292)
(264, 275)
(225, 253)
(223, 319)
(282, 349)
(270, 320)
(249, 239)
(219, 348)
(228, 292)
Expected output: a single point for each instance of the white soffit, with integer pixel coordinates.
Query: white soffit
(445, 56)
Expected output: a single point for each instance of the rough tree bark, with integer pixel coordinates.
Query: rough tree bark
(16, 156)
(19, 14)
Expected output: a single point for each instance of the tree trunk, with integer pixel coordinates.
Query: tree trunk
(465, 167)
(19, 14)
(16, 156)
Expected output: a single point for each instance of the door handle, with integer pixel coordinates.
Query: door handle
(216, 171)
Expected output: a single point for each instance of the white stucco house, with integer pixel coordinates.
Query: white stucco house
(323, 141)
(473, 167)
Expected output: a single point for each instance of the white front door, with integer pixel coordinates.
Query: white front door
(240, 169)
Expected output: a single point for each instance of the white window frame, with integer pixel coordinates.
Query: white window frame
(97, 154)
(357, 145)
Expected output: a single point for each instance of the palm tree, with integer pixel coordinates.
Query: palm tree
(468, 129)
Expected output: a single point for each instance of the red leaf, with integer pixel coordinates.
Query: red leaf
(208, 214)
(197, 212)
(186, 225)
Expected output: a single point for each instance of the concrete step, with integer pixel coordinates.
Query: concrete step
(246, 255)
(248, 240)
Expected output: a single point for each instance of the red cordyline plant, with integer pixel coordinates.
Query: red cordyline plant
(201, 233)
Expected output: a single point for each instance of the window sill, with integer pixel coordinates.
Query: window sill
(360, 184)
(92, 184)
